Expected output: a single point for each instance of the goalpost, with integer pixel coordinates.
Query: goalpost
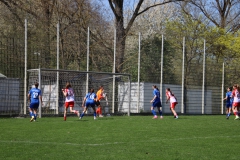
(52, 81)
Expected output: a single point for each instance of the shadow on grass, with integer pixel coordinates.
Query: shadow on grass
(83, 120)
(105, 118)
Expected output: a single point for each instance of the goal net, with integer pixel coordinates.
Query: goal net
(116, 89)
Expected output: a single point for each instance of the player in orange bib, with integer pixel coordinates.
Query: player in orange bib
(69, 100)
(173, 102)
(236, 100)
(99, 98)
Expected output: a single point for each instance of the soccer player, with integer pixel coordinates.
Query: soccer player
(90, 100)
(236, 100)
(34, 96)
(99, 98)
(229, 101)
(156, 102)
(173, 102)
(69, 100)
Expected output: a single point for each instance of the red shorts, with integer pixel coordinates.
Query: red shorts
(173, 105)
(69, 104)
(236, 104)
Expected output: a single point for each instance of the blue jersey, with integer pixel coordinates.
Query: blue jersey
(229, 99)
(157, 94)
(34, 94)
(90, 98)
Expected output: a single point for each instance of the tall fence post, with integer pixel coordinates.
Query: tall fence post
(223, 72)
(114, 70)
(161, 78)
(139, 58)
(183, 72)
(57, 87)
(203, 80)
(129, 95)
(25, 71)
(87, 61)
(40, 86)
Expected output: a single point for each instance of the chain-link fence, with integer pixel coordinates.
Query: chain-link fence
(53, 81)
(198, 79)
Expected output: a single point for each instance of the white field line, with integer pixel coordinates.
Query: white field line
(111, 143)
(55, 143)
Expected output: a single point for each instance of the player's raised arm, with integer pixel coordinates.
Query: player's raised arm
(64, 92)
(168, 97)
(84, 100)
(153, 99)
(29, 97)
(40, 97)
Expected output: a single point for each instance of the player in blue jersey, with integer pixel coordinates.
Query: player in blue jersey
(90, 100)
(34, 96)
(156, 102)
(229, 102)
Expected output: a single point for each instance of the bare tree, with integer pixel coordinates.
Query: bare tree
(117, 7)
(222, 13)
(153, 22)
(74, 17)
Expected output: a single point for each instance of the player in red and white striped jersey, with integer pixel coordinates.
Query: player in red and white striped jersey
(173, 102)
(236, 100)
(69, 100)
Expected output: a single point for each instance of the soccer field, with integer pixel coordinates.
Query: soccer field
(120, 137)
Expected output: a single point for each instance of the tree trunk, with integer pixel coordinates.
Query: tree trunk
(117, 8)
(120, 45)
(121, 35)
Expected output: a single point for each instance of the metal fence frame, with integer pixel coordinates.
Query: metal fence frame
(114, 75)
(161, 83)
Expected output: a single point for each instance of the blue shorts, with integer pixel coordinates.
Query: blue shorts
(228, 105)
(34, 105)
(157, 104)
(90, 104)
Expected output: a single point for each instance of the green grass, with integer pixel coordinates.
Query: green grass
(120, 137)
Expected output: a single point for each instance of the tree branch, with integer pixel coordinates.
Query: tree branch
(137, 13)
(22, 8)
(13, 12)
(159, 4)
(112, 7)
(205, 13)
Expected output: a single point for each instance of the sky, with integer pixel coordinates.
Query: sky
(107, 10)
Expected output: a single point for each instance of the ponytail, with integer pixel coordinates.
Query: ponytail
(168, 89)
(236, 86)
(154, 86)
(91, 90)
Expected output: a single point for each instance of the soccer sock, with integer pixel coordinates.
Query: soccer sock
(153, 112)
(94, 114)
(160, 112)
(235, 113)
(35, 116)
(97, 111)
(228, 114)
(65, 118)
(82, 114)
(31, 114)
(100, 111)
(76, 112)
